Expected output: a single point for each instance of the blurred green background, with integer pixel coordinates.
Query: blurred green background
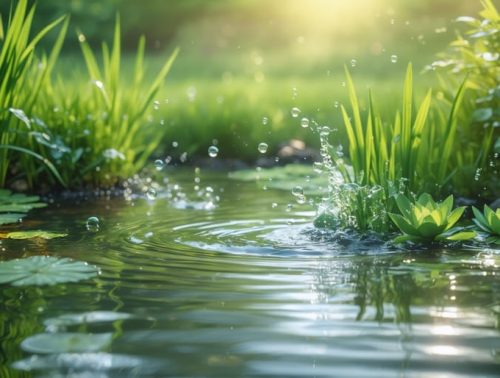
(245, 63)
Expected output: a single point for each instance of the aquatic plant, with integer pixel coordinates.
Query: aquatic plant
(23, 77)
(14, 207)
(44, 270)
(425, 220)
(488, 222)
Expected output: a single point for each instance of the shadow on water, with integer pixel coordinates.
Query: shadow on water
(245, 288)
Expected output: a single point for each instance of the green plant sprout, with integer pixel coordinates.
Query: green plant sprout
(425, 220)
(488, 222)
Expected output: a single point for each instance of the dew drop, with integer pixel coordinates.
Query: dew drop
(354, 62)
(274, 205)
(265, 120)
(394, 58)
(304, 122)
(295, 112)
(93, 224)
(213, 151)
(262, 147)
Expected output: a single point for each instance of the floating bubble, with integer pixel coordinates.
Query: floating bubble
(151, 194)
(159, 164)
(213, 151)
(324, 131)
(93, 224)
(297, 191)
(394, 58)
(295, 112)
(262, 147)
(304, 122)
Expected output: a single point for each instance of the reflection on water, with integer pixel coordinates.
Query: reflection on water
(245, 288)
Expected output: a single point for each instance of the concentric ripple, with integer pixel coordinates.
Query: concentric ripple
(244, 287)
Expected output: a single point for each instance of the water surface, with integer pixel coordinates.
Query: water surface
(247, 287)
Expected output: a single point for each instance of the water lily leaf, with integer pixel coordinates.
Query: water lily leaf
(86, 318)
(286, 178)
(66, 342)
(430, 229)
(403, 224)
(11, 218)
(44, 270)
(32, 234)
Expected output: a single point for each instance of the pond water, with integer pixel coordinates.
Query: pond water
(245, 288)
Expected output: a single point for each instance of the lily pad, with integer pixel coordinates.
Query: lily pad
(66, 342)
(286, 178)
(86, 318)
(44, 270)
(13, 207)
(32, 234)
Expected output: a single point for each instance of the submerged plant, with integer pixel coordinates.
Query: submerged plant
(488, 222)
(425, 220)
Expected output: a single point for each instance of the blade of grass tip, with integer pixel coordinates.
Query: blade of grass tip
(418, 127)
(139, 62)
(49, 165)
(451, 127)
(89, 57)
(368, 148)
(353, 98)
(40, 35)
(353, 145)
(405, 140)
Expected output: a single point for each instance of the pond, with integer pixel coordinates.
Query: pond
(245, 287)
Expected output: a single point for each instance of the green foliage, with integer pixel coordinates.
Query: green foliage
(425, 220)
(488, 222)
(475, 54)
(114, 139)
(13, 207)
(22, 78)
(44, 270)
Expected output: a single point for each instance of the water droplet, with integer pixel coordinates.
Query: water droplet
(213, 151)
(324, 131)
(156, 105)
(274, 205)
(336, 104)
(301, 199)
(318, 167)
(478, 174)
(297, 191)
(304, 122)
(394, 58)
(151, 194)
(265, 120)
(81, 37)
(159, 164)
(295, 112)
(354, 62)
(93, 224)
(262, 147)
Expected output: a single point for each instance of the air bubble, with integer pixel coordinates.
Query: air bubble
(262, 147)
(213, 151)
(298, 191)
(93, 224)
(304, 122)
(295, 112)
(159, 164)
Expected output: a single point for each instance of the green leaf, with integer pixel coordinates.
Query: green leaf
(10, 218)
(429, 230)
(404, 238)
(454, 217)
(44, 270)
(66, 342)
(33, 234)
(465, 235)
(403, 224)
(404, 205)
